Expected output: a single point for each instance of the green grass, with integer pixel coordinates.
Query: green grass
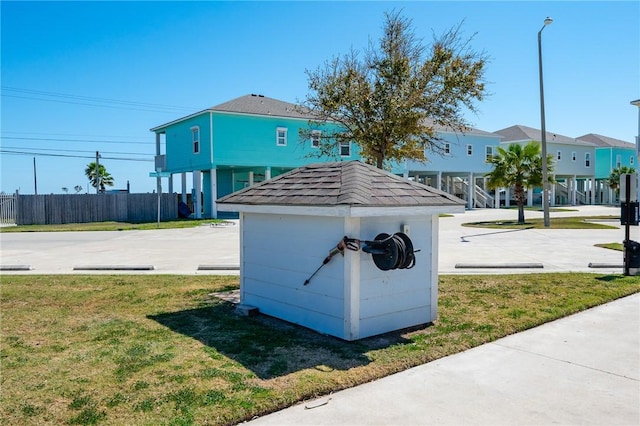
(539, 209)
(582, 222)
(160, 350)
(111, 226)
(611, 246)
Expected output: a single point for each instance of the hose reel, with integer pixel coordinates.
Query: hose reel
(391, 251)
(388, 251)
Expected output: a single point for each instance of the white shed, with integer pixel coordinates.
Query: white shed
(290, 224)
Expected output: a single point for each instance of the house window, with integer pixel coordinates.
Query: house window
(573, 156)
(281, 136)
(195, 139)
(345, 149)
(559, 156)
(631, 160)
(618, 161)
(488, 153)
(447, 148)
(469, 149)
(315, 139)
(587, 159)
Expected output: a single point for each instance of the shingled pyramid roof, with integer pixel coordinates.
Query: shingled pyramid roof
(261, 105)
(524, 133)
(349, 183)
(600, 140)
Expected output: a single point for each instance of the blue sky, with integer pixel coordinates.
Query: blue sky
(80, 77)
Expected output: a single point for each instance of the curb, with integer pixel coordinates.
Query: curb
(218, 267)
(605, 265)
(15, 267)
(499, 266)
(114, 268)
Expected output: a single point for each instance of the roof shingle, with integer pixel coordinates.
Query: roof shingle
(261, 105)
(349, 183)
(600, 140)
(524, 133)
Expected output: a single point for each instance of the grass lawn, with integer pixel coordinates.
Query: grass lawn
(583, 222)
(160, 349)
(611, 246)
(111, 226)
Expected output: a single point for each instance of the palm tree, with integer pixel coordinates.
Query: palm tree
(519, 167)
(103, 177)
(614, 179)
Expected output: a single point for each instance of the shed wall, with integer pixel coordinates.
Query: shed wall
(279, 252)
(390, 300)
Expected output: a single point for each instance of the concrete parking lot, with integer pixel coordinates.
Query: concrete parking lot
(215, 249)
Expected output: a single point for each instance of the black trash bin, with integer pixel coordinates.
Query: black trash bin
(632, 256)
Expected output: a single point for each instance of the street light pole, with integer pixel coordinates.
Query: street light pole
(543, 130)
(637, 103)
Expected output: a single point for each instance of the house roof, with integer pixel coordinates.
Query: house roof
(261, 105)
(524, 133)
(348, 183)
(249, 104)
(606, 141)
(469, 131)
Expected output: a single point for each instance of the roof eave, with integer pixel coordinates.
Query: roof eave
(158, 129)
(342, 210)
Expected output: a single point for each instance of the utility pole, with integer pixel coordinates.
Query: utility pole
(97, 172)
(35, 177)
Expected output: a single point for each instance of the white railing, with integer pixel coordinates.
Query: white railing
(481, 198)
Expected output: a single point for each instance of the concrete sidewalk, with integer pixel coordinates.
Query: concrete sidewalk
(583, 369)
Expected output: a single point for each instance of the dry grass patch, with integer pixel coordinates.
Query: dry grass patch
(159, 350)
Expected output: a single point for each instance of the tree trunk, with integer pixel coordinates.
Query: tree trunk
(519, 195)
(520, 213)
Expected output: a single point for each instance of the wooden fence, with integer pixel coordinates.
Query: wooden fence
(82, 208)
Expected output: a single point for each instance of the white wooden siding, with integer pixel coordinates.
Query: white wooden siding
(399, 298)
(280, 253)
(349, 297)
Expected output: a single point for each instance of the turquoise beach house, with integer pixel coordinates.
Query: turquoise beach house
(233, 145)
(610, 154)
(254, 138)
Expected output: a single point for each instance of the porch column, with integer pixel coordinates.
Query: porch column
(439, 181)
(529, 197)
(496, 199)
(197, 190)
(267, 173)
(507, 197)
(213, 185)
(471, 189)
(574, 190)
(593, 190)
(250, 178)
(552, 201)
(184, 187)
(170, 191)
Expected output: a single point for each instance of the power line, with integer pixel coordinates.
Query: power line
(75, 140)
(42, 154)
(76, 150)
(74, 135)
(91, 100)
